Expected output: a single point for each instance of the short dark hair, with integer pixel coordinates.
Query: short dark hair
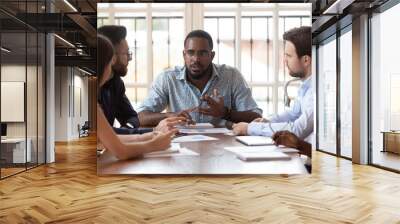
(105, 53)
(200, 34)
(301, 39)
(114, 33)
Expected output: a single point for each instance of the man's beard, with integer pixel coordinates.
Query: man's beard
(120, 70)
(201, 75)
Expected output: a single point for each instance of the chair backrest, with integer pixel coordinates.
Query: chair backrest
(86, 125)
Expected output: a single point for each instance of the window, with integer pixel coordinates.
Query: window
(256, 58)
(256, 48)
(327, 96)
(385, 85)
(168, 34)
(346, 93)
(222, 30)
(251, 50)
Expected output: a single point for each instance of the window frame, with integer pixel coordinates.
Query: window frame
(334, 37)
(194, 15)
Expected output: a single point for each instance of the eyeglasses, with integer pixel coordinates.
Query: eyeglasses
(129, 54)
(202, 53)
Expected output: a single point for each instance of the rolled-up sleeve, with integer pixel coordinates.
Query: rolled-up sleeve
(242, 98)
(157, 100)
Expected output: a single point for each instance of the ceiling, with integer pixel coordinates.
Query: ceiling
(76, 25)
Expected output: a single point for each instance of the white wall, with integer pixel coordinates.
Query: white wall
(33, 126)
(61, 104)
(14, 73)
(71, 93)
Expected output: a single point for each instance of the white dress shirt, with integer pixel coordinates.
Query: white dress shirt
(298, 119)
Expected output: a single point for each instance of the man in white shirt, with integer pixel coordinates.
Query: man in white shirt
(299, 118)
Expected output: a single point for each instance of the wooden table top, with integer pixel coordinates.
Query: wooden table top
(212, 159)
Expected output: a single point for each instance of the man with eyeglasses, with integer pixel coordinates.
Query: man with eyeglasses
(112, 97)
(201, 91)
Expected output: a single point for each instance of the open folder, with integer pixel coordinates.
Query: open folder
(255, 140)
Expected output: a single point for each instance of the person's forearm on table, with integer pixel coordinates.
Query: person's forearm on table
(151, 119)
(135, 138)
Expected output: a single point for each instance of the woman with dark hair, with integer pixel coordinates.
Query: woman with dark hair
(105, 59)
(122, 146)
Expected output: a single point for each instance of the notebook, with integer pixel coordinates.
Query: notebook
(255, 140)
(262, 156)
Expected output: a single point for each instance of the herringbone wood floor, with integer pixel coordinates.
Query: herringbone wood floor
(69, 191)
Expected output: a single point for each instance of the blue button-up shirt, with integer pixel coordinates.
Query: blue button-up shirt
(172, 91)
(299, 118)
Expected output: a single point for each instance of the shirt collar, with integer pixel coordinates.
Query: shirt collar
(181, 73)
(306, 83)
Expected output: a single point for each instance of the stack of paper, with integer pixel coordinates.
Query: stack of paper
(257, 153)
(261, 156)
(201, 128)
(255, 140)
(204, 131)
(195, 126)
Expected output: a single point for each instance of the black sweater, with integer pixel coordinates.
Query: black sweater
(116, 105)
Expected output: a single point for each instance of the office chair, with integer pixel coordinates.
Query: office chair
(84, 130)
(286, 99)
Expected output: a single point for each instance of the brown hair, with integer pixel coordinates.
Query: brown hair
(105, 53)
(113, 32)
(301, 39)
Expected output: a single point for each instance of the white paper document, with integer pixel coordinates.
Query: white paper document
(257, 149)
(261, 153)
(174, 150)
(262, 156)
(193, 138)
(204, 131)
(195, 126)
(255, 140)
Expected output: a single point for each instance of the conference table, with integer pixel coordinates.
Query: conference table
(212, 158)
